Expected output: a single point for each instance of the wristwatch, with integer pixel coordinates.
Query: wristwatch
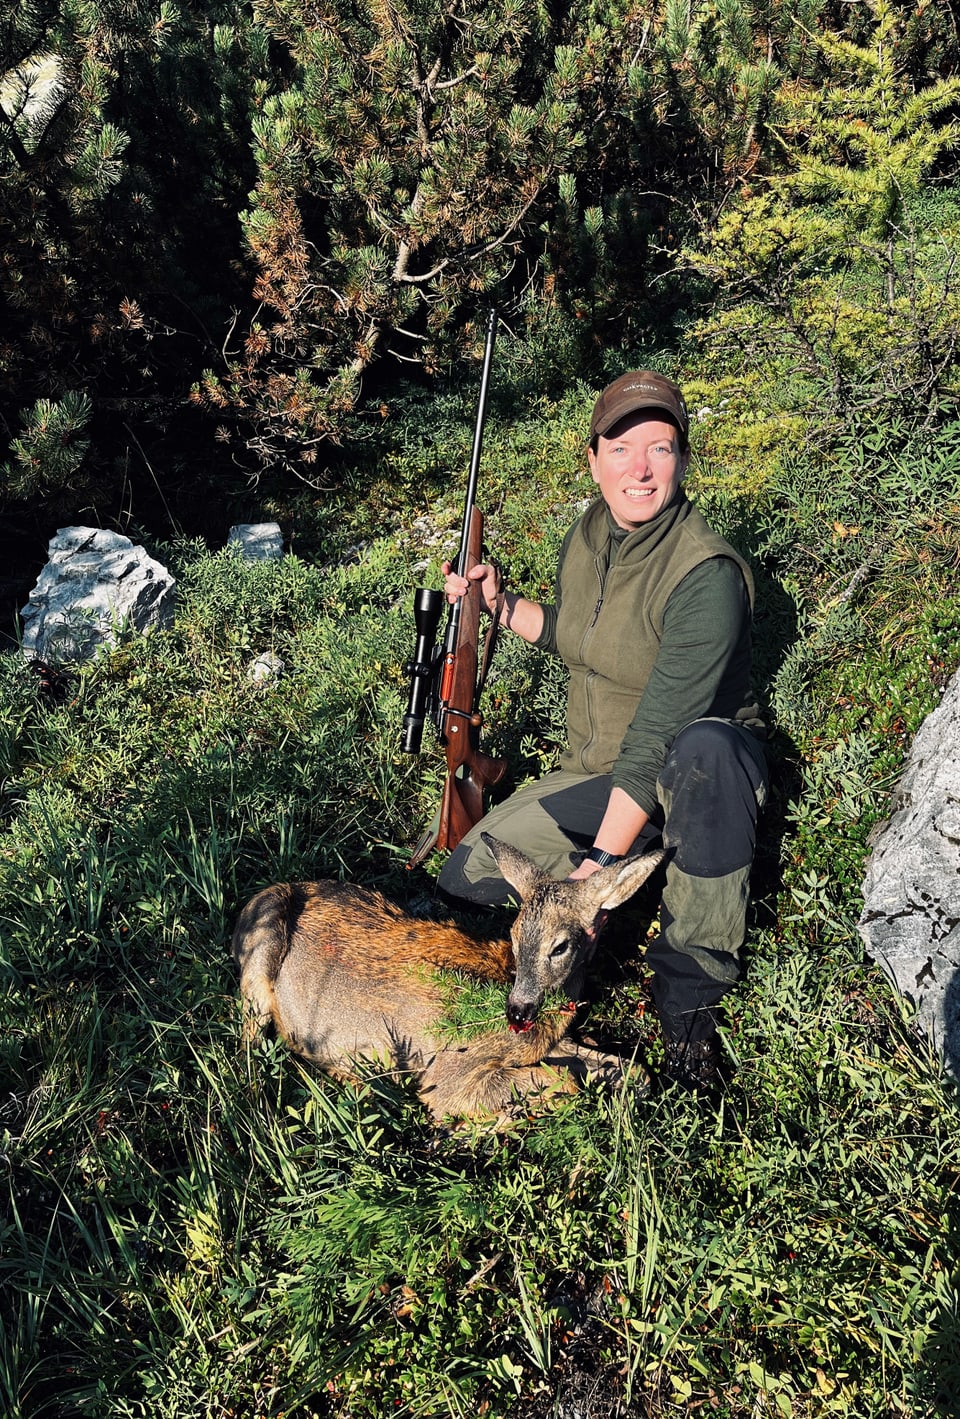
(601, 858)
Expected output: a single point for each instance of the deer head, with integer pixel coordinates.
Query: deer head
(556, 930)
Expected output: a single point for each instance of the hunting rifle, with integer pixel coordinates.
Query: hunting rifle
(446, 680)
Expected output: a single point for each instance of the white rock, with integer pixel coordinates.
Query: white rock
(95, 585)
(33, 91)
(266, 667)
(911, 915)
(257, 541)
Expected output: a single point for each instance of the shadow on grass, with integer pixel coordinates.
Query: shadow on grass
(939, 1369)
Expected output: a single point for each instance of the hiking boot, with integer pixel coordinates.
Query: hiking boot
(693, 1065)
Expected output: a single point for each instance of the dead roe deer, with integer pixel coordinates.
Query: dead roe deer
(345, 975)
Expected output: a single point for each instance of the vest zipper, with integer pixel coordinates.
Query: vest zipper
(601, 582)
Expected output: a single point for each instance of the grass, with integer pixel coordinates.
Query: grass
(190, 1229)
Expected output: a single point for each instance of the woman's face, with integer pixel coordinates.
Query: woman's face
(638, 467)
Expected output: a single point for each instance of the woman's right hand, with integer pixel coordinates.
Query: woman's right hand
(485, 573)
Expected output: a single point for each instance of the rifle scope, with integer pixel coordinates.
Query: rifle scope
(427, 609)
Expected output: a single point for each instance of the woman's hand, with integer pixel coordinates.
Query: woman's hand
(524, 618)
(586, 869)
(485, 573)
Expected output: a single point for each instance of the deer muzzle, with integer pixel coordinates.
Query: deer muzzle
(521, 1014)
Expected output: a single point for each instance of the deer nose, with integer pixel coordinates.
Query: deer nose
(521, 1013)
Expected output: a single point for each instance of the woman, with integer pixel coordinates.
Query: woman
(652, 617)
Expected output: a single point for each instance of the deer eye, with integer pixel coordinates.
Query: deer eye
(561, 949)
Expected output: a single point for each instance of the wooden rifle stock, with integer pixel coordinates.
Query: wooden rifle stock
(469, 771)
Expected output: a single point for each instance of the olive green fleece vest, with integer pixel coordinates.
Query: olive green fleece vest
(610, 621)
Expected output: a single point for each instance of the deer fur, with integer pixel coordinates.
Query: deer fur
(345, 975)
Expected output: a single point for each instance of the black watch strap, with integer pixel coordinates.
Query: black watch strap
(603, 859)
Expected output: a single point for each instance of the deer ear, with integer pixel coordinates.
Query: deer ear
(615, 884)
(517, 868)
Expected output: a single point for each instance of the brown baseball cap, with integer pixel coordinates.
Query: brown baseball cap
(639, 389)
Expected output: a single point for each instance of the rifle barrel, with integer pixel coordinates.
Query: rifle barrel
(477, 439)
(453, 624)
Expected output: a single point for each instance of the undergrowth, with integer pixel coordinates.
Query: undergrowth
(190, 1229)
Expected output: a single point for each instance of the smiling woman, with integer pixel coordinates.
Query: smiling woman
(652, 618)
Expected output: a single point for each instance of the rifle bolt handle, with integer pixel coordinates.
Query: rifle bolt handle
(474, 719)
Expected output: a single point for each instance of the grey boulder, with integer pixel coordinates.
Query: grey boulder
(95, 585)
(910, 923)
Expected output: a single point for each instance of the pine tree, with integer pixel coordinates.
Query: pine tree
(725, 62)
(52, 445)
(123, 129)
(401, 168)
